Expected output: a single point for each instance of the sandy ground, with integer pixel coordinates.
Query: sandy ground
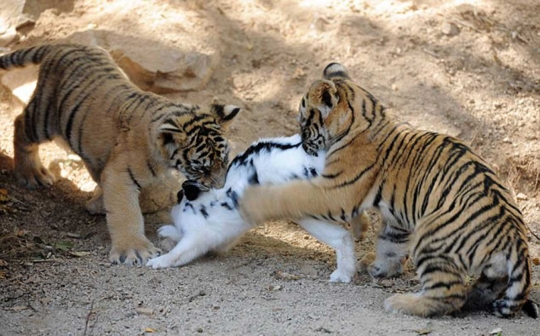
(480, 83)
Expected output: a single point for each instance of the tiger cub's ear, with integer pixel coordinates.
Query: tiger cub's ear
(334, 69)
(171, 133)
(323, 95)
(224, 114)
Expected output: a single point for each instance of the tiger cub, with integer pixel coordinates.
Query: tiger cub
(439, 200)
(127, 138)
(210, 221)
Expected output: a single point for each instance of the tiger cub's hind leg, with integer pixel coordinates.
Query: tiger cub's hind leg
(95, 204)
(443, 291)
(360, 226)
(27, 165)
(486, 290)
(391, 251)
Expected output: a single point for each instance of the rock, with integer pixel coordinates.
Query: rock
(144, 311)
(168, 71)
(308, 270)
(21, 82)
(151, 65)
(148, 64)
(286, 276)
(387, 283)
(299, 73)
(7, 35)
(449, 29)
(33, 9)
(190, 72)
(522, 197)
(319, 24)
(323, 330)
(273, 288)
(10, 12)
(18, 17)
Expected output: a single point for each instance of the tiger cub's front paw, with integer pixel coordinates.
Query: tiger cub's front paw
(380, 268)
(95, 206)
(136, 251)
(34, 177)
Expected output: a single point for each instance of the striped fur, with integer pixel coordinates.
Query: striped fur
(440, 201)
(127, 138)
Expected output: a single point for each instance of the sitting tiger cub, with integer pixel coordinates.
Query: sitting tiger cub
(127, 138)
(437, 197)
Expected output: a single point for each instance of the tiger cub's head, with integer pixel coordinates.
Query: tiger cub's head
(194, 143)
(330, 108)
(312, 129)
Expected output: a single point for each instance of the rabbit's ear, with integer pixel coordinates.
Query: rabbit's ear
(191, 190)
(179, 196)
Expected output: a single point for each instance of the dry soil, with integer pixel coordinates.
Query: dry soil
(463, 67)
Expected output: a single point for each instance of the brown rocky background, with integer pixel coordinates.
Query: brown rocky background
(469, 68)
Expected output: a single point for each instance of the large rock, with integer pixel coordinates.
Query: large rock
(167, 71)
(10, 15)
(34, 8)
(152, 65)
(21, 82)
(18, 17)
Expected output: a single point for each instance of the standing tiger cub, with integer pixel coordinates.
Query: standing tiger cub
(440, 201)
(127, 138)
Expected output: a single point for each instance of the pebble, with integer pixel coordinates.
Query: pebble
(308, 270)
(495, 331)
(144, 311)
(449, 29)
(272, 288)
(522, 197)
(286, 276)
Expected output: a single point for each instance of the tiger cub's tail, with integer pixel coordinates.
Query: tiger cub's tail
(516, 295)
(22, 57)
(531, 308)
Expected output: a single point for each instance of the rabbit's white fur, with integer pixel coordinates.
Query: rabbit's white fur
(212, 222)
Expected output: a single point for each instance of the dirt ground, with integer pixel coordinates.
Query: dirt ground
(469, 68)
